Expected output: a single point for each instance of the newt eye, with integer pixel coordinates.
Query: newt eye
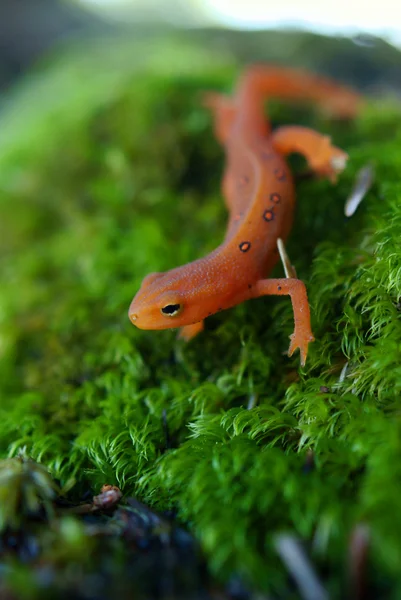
(171, 310)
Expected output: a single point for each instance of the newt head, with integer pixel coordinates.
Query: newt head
(172, 299)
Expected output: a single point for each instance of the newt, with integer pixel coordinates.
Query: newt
(259, 193)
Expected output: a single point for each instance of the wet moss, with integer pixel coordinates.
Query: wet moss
(118, 176)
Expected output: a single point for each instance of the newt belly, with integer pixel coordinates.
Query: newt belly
(259, 194)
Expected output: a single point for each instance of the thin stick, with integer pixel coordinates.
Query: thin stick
(289, 269)
(363, 183)
(296, 561)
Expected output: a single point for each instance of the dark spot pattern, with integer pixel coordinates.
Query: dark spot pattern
(275, 198)
(249, 286)
(244, 246)
(280, 174)
(243, 180)
(268, 215)
(279, 288)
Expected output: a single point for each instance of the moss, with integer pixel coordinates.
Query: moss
(112, 180)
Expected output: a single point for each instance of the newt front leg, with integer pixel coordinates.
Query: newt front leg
(190, 331)
(295, 288)
(323, 158)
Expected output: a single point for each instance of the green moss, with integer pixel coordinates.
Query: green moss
(123, 179)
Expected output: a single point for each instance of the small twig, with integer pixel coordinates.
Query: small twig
(358, 553)
(252, 401)
(109, 497)
(343, 373)
(346, 371)
(80, 509)
(363, 183)
(289, 269)
(298, 564)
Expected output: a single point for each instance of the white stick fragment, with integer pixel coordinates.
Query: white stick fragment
(252, 400)
(363, 183)
(289, 269)
(343, 373)
(297, 563)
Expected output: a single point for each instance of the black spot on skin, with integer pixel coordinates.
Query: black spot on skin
(220, 308)
(209, 314)
(279, 288)
(249, 286)
(275, 198)
(244, 246)
(268, 215)
(280, 174)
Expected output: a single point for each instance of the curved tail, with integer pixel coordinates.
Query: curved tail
(260, 82)
(264, 81)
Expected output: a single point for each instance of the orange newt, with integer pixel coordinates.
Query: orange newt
(259, 193)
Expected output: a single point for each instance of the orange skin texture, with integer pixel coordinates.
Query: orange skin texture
(259, 193)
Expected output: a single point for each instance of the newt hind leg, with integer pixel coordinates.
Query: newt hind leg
(302, 335)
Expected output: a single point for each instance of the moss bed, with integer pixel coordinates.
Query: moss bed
(106, 175)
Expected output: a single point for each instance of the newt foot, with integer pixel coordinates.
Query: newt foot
(330, 162)
(300, 341)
